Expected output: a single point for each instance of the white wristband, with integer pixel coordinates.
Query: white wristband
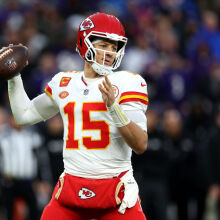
(119, 117)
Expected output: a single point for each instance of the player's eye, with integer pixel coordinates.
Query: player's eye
(114, 49)
(103, 45)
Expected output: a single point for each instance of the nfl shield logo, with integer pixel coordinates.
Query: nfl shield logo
(86, 92)
(11, 64)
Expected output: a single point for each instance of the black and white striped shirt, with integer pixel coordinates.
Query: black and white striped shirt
(17, 152)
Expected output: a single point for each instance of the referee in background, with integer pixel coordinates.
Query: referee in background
(18, 166)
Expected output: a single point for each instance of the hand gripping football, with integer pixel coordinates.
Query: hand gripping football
(12, 60)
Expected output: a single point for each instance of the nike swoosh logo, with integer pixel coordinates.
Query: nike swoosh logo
(143, 84)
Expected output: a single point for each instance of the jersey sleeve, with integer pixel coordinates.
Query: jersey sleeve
(50, 88)
(134, 95)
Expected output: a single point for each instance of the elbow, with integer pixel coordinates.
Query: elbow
(23, 124)
(141, 149)
(20, 123)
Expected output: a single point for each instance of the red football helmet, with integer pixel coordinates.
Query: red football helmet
(100, 25)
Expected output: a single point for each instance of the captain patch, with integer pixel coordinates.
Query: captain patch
(64, 81)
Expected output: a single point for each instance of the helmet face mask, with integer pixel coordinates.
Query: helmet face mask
(101, 26)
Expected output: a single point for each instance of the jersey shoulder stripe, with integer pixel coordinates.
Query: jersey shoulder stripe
(48, 91)
(133, 96)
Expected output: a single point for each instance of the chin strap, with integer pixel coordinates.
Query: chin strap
(101, 70)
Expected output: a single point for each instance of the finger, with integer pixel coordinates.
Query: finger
(107, 80)
(105, 85)
(103, 90)
(100, 88)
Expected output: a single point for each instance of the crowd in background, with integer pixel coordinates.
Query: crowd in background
(175, 46)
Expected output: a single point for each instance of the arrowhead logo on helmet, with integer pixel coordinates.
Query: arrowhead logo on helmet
(86, 25)
(106, 27)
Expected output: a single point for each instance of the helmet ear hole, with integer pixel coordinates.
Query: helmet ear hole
(90, 54)
(80, 41)
(120, 45)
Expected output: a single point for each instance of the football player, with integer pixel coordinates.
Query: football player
(103, 113)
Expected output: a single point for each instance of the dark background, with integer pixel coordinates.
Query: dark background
(175, 46)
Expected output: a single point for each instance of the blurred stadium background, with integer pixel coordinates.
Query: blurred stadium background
(175, 46)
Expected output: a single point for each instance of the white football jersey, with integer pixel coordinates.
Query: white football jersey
(93, 147)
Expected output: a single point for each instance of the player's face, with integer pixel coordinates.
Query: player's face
(105, 52)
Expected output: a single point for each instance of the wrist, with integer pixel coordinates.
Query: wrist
(119, 117)
(17, 76)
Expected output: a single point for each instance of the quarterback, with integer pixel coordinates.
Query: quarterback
(103, 113)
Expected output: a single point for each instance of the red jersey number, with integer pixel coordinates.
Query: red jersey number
(89, 125)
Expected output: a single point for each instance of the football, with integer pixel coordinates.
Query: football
(12, 60)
